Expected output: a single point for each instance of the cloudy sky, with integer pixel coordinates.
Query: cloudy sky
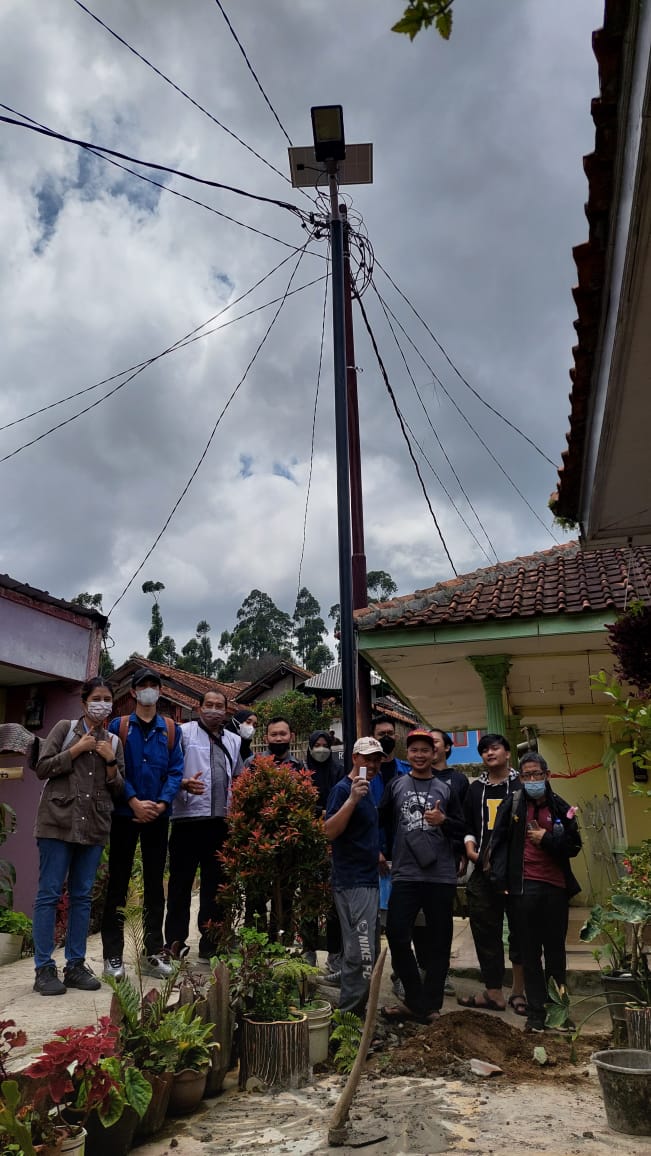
(476, 203)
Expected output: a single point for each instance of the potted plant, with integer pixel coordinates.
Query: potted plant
(267, 982)
(209, 992)
(191, 1038)
(86, 1084)
(13, 924)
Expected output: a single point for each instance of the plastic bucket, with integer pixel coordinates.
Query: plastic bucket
(319, 1016)
(625, 1078)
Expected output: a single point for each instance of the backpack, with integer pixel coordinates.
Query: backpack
(124, 730)
(71, 736)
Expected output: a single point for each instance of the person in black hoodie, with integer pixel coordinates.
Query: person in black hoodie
(534, 838)
(486, 904)
(325, 769)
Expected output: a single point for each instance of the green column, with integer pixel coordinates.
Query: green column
(493, 670)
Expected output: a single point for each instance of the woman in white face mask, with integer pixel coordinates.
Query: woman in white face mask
(83, 768)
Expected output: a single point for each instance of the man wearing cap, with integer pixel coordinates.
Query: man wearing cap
(425, 821)
(153, 772)
(351, 825)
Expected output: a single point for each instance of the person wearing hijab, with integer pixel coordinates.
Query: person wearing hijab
(243, 723)
(325, 769)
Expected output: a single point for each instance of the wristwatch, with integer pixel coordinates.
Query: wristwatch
(112, 763)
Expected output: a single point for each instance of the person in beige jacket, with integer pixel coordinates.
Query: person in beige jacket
(83, 768)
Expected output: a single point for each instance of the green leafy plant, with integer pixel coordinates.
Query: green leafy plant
(14, 922)
(632, 726)
(347, 1034)
(623, 920)
(559, 1011)
(275, 844)
(15, 1122)
(421, 14)
(266, 978)
(189, 1038)
(301, 710)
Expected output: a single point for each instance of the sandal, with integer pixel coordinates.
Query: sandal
(481, 1002)
(519, 1004)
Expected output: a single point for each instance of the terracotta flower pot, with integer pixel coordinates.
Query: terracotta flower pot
(187, 1091)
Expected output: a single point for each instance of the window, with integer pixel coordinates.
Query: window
(460, 738)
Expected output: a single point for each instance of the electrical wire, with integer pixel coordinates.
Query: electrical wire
(404, 432)
(155, 357)
(174, 192)
(180, 90)
(145, 365)
(461, 377)
(481, 440)
(316, 403)
(208, 444)
(90, 146)
(439, 443)
(253, 73)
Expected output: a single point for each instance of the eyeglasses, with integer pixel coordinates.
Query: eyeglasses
(532, 776)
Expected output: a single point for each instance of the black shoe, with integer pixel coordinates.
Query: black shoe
(537, 1026)
(47, 981)
(80, 976)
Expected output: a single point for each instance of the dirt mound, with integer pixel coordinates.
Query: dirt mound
(446, 1047)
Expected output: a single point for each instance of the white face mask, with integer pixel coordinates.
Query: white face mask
(246, 731)
(320, 753)
(99, 710)
(148, 696)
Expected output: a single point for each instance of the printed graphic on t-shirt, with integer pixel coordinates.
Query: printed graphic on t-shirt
(414, 805)
(492, 806)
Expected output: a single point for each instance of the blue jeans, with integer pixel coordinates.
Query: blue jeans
(79, 862)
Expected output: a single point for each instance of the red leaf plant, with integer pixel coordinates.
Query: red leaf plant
(69, 1071)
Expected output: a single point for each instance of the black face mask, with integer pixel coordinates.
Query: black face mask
(387, 744)
(278, 749)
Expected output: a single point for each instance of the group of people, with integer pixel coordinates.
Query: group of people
(428, 825)
(415, 826)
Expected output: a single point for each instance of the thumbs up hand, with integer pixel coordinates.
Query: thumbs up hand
(435, 816)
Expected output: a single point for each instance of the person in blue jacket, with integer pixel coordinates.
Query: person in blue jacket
(153, 772)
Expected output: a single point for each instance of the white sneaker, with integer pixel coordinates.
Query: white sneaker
(114, 967)
(159, 966)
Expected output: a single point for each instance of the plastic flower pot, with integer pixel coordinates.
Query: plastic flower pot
(625, 1078)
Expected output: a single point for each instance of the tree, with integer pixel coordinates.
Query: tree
(162, 648)
(260, 628)
(301, 709)
(420, 14)
(379, 586)
(197, 656)
(309, 629)
(106, 666)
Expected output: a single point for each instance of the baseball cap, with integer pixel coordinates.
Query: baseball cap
(143, 674)
(367, 746)
(420, 733)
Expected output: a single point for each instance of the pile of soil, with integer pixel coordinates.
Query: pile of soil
(446, 1047)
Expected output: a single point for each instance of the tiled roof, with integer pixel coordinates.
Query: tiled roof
(590, 295)
(330, 679)
(563, 580)
(251, 690)
(179, 684)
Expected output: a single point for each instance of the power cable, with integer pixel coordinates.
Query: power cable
(481, 440)
(90, 146)
(154, 357)
(210, 439)
(404, 431)
(174, 192)
(316, 402)
(461, 377)
(172, 349)
(180, 90)
(253, 73)
(438, 441)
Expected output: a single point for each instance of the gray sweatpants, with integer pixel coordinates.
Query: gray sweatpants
(357, 908)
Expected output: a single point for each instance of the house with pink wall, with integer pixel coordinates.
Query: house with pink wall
(48, 648)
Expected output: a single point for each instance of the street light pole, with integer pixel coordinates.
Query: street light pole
(341, 164)
(347, 640)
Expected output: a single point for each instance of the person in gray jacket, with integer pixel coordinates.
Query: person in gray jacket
(83, 768)
(212, 761)
(425, 824)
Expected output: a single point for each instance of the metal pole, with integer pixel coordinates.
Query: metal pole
(348, 689)
(360, 593)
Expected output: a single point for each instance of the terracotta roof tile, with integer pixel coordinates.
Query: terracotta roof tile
(563, 580)
(590, 296)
